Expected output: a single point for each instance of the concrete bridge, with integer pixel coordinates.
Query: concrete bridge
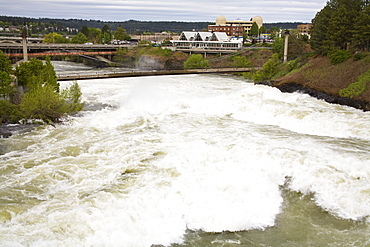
(9, 48)
(9, 39)
(134, 73)
(15, 51)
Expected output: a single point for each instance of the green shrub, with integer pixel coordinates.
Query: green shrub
(5, 63)
(6, 85)
(292, 65)
(240, 62)
(359, 56)
(9, 113)
(34, 73)
(72, 97)
(339, 57)
(248, 75)
(158, 51)
(43, 103)
(270, 68)
(120, 54)
(196, 61)
(356, 88)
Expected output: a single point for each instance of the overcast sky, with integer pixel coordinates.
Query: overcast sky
(165, 10)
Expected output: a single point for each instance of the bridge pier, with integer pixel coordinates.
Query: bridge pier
(24, 45)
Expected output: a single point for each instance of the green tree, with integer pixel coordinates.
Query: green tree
(29, 72)
(5, 63)
(6, 85)
(334, 26)
(340, 27)
(9, 113)
(42, 102)
(254, 30)
(6, 81)
(263, 29)
(49, 75)
(106, 32)
(119, 56)
(270, 68)
(121, 34)
(361, 32)
(105, 29)
(34, 74)
(80, 38)
(85, 30)
(72, 96)
(107, 38)
(95, 35)
(245, 36)
(319, 29)
(278, 46)
(196, 61)
(274, 31)
(241, 62)
(43, 99)
(55, 38)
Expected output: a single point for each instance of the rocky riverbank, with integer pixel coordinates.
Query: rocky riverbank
(320, 79)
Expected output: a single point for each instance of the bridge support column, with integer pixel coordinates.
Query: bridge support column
(24, 44)
(286, 46)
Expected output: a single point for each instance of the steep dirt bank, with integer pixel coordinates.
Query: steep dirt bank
(320, 79)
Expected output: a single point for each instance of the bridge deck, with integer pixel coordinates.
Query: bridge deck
(133, 73)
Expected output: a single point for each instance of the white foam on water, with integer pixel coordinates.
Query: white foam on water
(182, 152)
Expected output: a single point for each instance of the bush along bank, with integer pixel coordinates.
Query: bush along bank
(35, 95)
(342, 78)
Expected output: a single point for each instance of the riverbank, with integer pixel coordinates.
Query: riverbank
(156, 58)
(320, 79)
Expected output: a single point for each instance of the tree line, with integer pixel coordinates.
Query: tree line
(133, 27)
(341, 25)
(89, 34)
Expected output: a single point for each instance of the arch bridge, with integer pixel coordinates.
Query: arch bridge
(18, 40)
(15, 50)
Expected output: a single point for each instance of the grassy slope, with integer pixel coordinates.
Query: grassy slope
(319, 74)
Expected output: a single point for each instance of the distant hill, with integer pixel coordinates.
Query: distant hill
(283, 25)
(132, 26)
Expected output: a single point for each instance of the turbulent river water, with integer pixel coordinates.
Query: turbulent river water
(189, 160)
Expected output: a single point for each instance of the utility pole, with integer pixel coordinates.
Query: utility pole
(286, 46)
(24, 44)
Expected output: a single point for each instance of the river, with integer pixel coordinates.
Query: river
(189, 160)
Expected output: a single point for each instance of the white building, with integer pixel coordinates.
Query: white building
(206, 40)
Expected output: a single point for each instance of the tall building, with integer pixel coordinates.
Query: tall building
(234, 28)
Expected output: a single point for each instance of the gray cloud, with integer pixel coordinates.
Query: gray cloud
(164, 10)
